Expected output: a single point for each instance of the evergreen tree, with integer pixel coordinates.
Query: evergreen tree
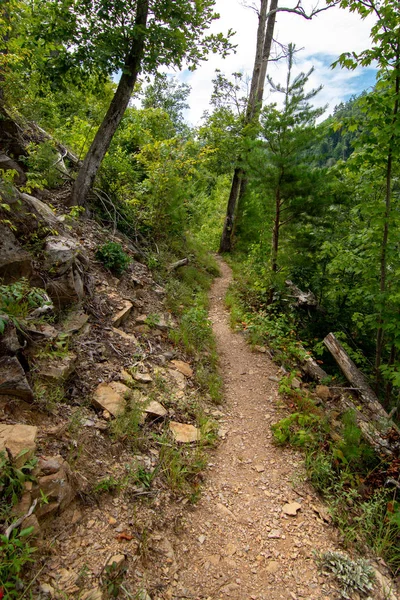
(280, 162)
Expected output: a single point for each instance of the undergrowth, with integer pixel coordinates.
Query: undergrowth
(15, 549)
(348, 475)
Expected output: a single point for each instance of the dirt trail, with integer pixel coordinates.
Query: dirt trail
(237, 543)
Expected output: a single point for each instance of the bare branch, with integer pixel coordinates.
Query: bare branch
(299, 10)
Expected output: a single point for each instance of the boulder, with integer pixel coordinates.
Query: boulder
(184, 433)
(43, 210)
(15, 262)
(61, 253)
(12, 379)
(66, 289)
(111, 397)
(125, 336)
(9, 342)
(178, 377)
(18, 438)
(64, 261)
(75, 321)
(8, 164)
(58, 486)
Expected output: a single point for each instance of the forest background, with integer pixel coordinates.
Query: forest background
(320, 205)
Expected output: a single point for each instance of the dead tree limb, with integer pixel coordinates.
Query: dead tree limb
(356, 378)
(177, 264)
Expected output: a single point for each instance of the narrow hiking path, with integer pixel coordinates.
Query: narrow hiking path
(237, 543)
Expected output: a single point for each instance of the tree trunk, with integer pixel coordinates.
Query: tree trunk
(116, 110)
(383, 257)
(5, 16)
(275, 232)
(263, 49)
(226, 238)
(269, 36)
(356, 378)
(255, 80)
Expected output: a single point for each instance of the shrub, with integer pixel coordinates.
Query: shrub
(113, 257)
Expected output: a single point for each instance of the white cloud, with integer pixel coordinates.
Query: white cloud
(322, 39)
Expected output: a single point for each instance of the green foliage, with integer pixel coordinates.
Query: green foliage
(113, 577)
(15, 553)
(107, 485)
(113, 257)
(42, 166)
(303, 430)
(127, 425)
(18, 299)
(169, 95)
(12, 481)
(353, 576)
(182, 466)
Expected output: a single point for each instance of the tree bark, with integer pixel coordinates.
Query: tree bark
(385, 237)
(226, 238)
(356, 378)
(116, 110)
(255, 80)
(263, 48)
(275, 232)
(269, 36)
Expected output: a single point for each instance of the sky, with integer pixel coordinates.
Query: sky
(322, 40)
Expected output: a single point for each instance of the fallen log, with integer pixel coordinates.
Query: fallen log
(178, 263)
(371, 434)
(356, 379)
(312, 369)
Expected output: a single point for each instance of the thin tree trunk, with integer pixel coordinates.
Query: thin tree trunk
(383, 257)
(5, 15)
(226, 238)
(275, 232)
(116, 110)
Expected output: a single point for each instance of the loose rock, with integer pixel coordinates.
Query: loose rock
(12, 379)
(110, 397)
(184, 433)
(182, 367)
(18, 438)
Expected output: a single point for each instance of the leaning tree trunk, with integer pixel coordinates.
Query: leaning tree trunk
(116, 110)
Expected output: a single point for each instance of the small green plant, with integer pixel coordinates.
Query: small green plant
(18, 299)
(15, 553)
(181, 467)
(113, 257)
(152, 320)
(127, 425)
(42, 166)
(12, 480)
(353, 576)
(48, 395)
(143, 477)
(298, 429)
(107, 485)
(57, 348)
(112, 578)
